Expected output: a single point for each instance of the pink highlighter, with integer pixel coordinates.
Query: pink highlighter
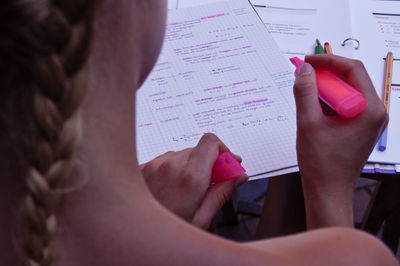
(335, 92)
(226, 167)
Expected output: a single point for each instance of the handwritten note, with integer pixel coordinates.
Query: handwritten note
(220, 71)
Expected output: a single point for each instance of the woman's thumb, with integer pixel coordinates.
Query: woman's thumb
(306, 92)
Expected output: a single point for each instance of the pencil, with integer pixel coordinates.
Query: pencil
(386, 96)
(319, 49)
(328, 48)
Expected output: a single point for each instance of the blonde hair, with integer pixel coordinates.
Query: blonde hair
(43, 46)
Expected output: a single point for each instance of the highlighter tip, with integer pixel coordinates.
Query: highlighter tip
(297, 62)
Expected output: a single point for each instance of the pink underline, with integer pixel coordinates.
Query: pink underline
(241, 82)
(214, 16)
(257, 101)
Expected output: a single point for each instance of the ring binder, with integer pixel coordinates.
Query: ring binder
(354, 40)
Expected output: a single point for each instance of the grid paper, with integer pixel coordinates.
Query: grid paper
(220, 71)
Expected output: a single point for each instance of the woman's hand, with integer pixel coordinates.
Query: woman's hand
(332, 150)
(180, 181)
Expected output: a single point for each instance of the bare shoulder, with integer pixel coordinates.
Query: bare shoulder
(330, 246)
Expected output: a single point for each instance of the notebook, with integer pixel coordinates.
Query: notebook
(361, 29)
(220, 71)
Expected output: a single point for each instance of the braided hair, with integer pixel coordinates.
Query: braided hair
(43, 46)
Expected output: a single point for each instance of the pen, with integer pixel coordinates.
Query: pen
(386, 96)
(319, 49)
(328, 48)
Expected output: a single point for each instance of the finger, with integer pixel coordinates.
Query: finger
(154, 163)
(353, 71)
(209, 138)
(204, 155)
(306, 94)
(213, 201)
(152, 166)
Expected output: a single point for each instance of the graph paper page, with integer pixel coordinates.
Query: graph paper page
(219, 71)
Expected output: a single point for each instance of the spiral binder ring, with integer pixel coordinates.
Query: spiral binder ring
(353, 40)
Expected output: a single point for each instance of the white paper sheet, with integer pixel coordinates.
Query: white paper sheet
(377, 24)
(217, 73)
(296, 25)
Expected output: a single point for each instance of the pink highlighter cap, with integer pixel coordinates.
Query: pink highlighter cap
(297, 62)
(226, 167)
(338, 94)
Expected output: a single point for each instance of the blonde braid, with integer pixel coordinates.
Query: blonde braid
(47, 43)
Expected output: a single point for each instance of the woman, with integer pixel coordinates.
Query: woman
(98, 210)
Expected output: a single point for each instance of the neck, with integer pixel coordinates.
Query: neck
(107, 156)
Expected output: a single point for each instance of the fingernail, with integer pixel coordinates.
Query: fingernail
(305, 69)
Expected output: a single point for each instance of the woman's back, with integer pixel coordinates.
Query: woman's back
(72, 192)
